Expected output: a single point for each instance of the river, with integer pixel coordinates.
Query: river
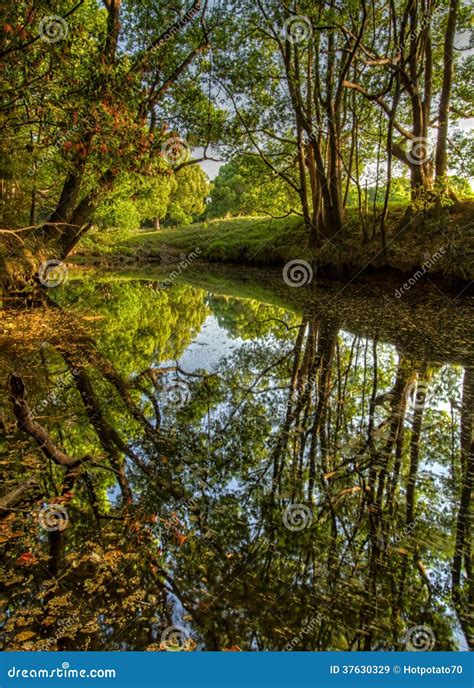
(253, 465)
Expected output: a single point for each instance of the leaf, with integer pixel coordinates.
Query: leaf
(26, 559)
(6, 537)
(24, 635)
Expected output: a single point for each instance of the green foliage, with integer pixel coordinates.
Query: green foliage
(245, 186)
(187, 199)
(135, 200)
(139, 200)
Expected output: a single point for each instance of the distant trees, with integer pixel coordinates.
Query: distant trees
(245, 186)
(187, 200)
(137, 200)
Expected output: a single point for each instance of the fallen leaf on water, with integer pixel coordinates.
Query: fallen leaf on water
(26, 559)
(4, 537)
(25, 635)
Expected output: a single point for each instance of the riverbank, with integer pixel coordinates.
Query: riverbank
(436, 248)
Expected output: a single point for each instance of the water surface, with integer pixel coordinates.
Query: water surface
(263, 467)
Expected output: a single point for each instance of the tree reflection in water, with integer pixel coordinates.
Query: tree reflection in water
(309, 491)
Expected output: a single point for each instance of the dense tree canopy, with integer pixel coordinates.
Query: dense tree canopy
(98, 98)
(104, 103)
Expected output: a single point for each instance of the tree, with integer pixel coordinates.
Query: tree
(135, 200)
(86, 103)
(187, 199)
(323, 99)
(245, 186)
(324, 469)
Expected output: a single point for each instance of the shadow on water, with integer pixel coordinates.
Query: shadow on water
(234, 463)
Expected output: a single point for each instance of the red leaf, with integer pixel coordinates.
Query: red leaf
(26, 559)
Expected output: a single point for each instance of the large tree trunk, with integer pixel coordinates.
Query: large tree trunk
(441, 160)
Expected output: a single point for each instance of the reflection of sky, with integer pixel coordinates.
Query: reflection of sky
(211, 344)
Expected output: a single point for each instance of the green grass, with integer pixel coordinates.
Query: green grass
(250, 240)
(262, 241)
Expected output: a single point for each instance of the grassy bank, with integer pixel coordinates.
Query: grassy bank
(273, 242)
